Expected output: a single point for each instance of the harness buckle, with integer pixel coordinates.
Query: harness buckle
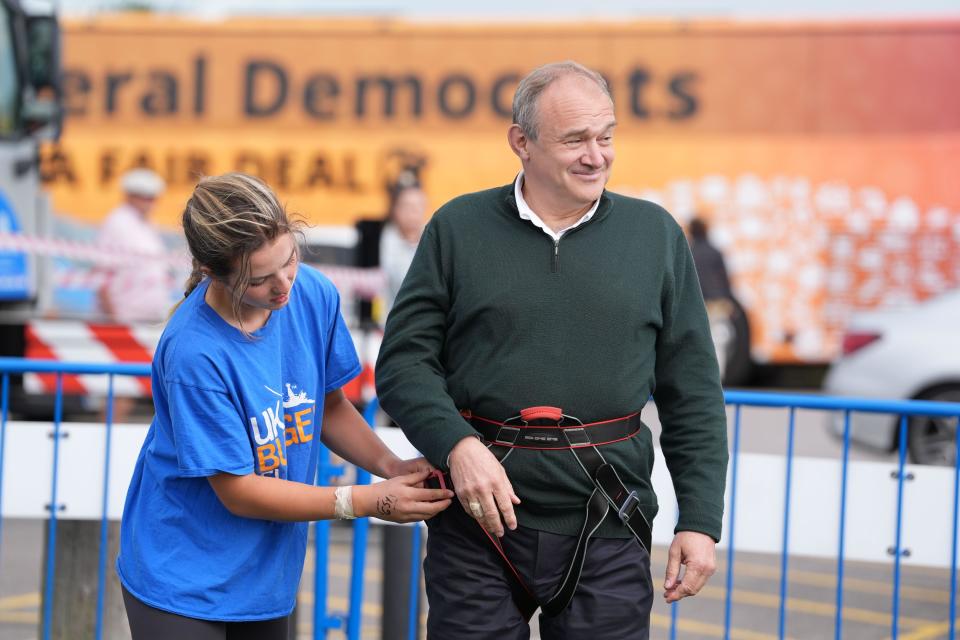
(511, 433)
(577, 436)
(629, 507)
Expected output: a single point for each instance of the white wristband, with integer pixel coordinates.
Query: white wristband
(343, 504)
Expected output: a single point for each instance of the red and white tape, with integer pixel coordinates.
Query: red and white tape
(89, 252)
(352, 281)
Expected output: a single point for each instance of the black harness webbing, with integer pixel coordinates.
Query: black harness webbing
(556, 431)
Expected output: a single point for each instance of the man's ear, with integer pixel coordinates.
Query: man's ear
(518, 142)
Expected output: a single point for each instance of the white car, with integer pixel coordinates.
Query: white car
(902, 354)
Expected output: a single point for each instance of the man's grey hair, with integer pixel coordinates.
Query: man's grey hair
(529, 90)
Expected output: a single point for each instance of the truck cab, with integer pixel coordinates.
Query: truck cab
(30, 113)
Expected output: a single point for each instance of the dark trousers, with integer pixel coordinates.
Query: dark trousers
(472, 594)
(148, 623)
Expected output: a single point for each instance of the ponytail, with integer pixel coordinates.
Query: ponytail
(196, 277)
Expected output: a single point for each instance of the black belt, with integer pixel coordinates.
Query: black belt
(555, 431)
(519, 433)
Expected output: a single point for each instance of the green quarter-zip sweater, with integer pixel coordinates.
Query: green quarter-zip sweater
(494, 316)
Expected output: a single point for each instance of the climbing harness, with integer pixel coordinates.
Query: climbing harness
(548, 428)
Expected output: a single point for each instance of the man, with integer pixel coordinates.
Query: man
(553, 291)
(138, 291)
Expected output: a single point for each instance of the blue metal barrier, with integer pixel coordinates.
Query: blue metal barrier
(4, 410)
(352, 623)
(360, 535)
(326, 471)
(902, 408)
(322, 621)
(10, 366)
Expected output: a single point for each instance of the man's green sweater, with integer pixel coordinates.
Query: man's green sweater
(494, 316)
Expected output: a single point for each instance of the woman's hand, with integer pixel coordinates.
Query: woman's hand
(397, 467)
(401, 499)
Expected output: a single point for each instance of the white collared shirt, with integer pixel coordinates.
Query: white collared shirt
(526, 213)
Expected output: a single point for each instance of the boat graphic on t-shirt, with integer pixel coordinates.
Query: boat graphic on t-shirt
(295, 399)
(292, 399)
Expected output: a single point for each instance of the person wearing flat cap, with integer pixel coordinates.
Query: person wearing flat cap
(137, 290)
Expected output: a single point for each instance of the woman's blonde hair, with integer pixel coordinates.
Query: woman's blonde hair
(226, 219)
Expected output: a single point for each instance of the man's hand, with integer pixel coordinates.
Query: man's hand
(697, 552)
(482, 485)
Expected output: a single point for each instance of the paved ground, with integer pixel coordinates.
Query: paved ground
(810, 609)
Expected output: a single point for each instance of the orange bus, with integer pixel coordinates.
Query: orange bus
(820, 153)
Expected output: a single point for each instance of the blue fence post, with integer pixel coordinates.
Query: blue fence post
(361, 529)
(731, 524)
(102, 563)
(674, 619)
(52, 531)
(321, 539)
(953, 548)
(901, 462)
(784, 556)
(841, 544)
(321, 548)
(414, 582)
(322, 621)
(675, 606)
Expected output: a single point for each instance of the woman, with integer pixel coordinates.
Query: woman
(406, 218)
(246, 381)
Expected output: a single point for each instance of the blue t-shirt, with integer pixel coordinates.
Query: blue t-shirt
(228, 403)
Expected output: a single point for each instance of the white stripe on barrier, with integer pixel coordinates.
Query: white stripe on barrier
(26, 486)
(147, 334)
(75, 342)
(815, 509)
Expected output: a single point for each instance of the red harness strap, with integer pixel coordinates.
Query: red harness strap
(518, 433)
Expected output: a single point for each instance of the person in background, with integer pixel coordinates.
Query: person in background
(137, 290)
(534, 324)
(711, 268)
(406, 217)
(728, 322)
(247, 381)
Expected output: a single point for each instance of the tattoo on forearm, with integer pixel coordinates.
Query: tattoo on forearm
(386, 505)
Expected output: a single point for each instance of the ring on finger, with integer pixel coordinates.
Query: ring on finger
(476, 508)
